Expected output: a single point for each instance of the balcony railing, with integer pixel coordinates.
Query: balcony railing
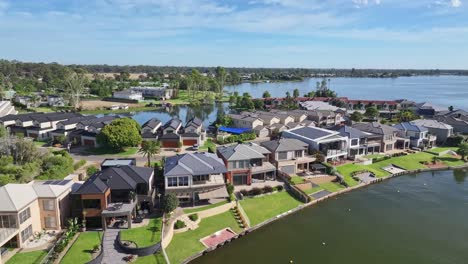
(335, 152)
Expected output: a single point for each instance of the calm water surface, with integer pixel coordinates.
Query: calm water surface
(425, 222)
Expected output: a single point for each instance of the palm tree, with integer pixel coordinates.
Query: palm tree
(148, 149)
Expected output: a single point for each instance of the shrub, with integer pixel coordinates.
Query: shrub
(244, 192)
(179, 224)
(193, 217)
(79, 164)
(91, 170)
(267, 189)
(170, 202)
(96, 248)
(230, 188)
(255, 191)
(279, 188)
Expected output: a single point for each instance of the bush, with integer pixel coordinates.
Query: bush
(244, 192)
(267, 189)
(230, 188)
(170, 202)
(79, 164)
(193, 217)
(179, 224)
(279, 188)
(91, 170)
(120, 133)
(255, 191)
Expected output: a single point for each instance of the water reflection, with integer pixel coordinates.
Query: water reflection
(460, 175)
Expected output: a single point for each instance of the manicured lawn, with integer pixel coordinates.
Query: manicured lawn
(202, 208)
(313, 190)
(146, 235)
(107, 151)
(451, 160)
(373, 156)
(442, 149)
(331, 186)
(151, 259)
(32, 257)
(208, 143)
(187, 243)
(81, 250)
(297, 180)
(263, 208)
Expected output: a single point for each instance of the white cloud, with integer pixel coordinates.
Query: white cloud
(359, 3)
(455, 3)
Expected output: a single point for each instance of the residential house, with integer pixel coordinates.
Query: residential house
(195, 177)
(289, 155)
(318, 105)
(26, 209)
(244, 121)
(170, 133)
(44, 124)
(193, 133)
(6, 108)
(149, 130)
(330, 143)
(246, 163)
(154, 92)
(114, 193)
(27, 101)
(458, 119)
(428, 109)
(86, 131)
(107, 163)
(359, 142)
(419, 136)
(128, 94)
(441, 130)
(381, 105)
(55, 101)
(326, 118)
(64, 128)
(390, 138)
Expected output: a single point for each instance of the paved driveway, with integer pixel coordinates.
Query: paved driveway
(320, 194)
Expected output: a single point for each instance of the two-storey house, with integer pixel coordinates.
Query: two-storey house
(170, 133)
(193, 133)
(149, 130)
(419, 136)
(390, 138)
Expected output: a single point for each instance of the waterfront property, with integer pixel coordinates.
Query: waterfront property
(149, 130)
(330, 143)
(87, 130)
(419, 136)
(110, 197)
(441, 130)
(458, 119)
(359, 143)
(326, 118)
(247, 163)
(193, 133)
(26, 209)
(390, 139)
(195, 177)
(289, 155)
(170, 137)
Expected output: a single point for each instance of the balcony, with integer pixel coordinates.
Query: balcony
(213, 180)
(7, 233)
(336, 152)
(266, 167)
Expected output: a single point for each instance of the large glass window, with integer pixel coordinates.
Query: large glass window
(50, 222)
(172, 181)
(26, 233)
(354, 142)
(7, 221)
(282, 155)
(92, 203)
(201, 178)
(298, 153)
(183, 181)
(48, 205)
(25, 215)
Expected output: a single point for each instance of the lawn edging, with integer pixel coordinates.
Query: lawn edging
(141, 252)
(64, 252)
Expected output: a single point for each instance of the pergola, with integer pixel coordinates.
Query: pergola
(117, 210)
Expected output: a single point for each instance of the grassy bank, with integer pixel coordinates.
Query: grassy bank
(32, 257)
(144, 236)
(81, 250)
(202, 208)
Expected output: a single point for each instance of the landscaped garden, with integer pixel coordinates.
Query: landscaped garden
(188, 243)
(144, 236)
(262, 208)
(31, 257)
(202, 208)
(81, 251)
(157, 258)
(407, 162)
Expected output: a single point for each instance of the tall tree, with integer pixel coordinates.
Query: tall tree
(356, 116)
(221, 78)
(74, 87)
(149, 149)
(371, 112)
(296, 93)
(266, 94)
(463, 150)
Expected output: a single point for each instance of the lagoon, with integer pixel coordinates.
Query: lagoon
(409, 219)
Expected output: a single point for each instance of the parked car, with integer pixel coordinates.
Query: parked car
(195, 147)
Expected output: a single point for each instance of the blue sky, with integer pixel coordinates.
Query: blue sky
(241, 33)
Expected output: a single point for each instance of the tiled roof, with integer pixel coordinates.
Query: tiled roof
(242, 151)
(284, 144)
(194, 164)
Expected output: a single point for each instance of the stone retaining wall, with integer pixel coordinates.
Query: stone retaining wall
(140, 251)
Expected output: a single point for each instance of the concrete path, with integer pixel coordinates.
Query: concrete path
(112, 253)
(320, 194)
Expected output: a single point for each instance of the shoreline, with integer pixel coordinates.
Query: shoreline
(322, 199)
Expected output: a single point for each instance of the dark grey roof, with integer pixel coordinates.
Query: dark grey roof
(99, 120)
(408, 126)
(195, 122)
(152, 123)
(12, 117)
(48, 117)
(284, 144)
(173, 123)
(311, 132)
(350, 132)
(190, 134)
(76, 120)
(194, 164)
(116, 178)
(148, 135)
(375, 128)
(169, 136)
(242, 151)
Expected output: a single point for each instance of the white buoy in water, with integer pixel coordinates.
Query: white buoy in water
(349, 210)
(323, 243)
(398, 191)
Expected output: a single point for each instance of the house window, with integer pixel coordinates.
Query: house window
(282, 155)
(183, 181)
(201, 178)
(243, 164)
(354, 142)
(25, 215)
(298, 153)
(172, 182)
(7, 221)
(50, 222)
(234, 164)
(26, 233)
(92, 203)
(48, 205)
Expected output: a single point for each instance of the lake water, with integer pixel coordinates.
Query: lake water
(426, 222)
(442, 90)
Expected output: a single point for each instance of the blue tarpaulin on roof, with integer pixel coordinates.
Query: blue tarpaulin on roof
(234, 130)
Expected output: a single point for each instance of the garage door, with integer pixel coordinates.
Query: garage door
(190, 142)
(88, 142)
(288, 169)
(239, 179)
(169, 144)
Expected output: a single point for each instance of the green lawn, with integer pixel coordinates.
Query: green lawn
(81, 250)
(297, 180)
(151, 259)
(265, 207)
(313, 190)
(408, 162)
(208, 143)
(32, 257)
(202, 208)
(187, 243)
(146, 235)
(442, 149)
(373, 156)
(108, 151)
(332, 186)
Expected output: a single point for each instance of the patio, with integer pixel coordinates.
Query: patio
(260, 184)
(120, 214)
